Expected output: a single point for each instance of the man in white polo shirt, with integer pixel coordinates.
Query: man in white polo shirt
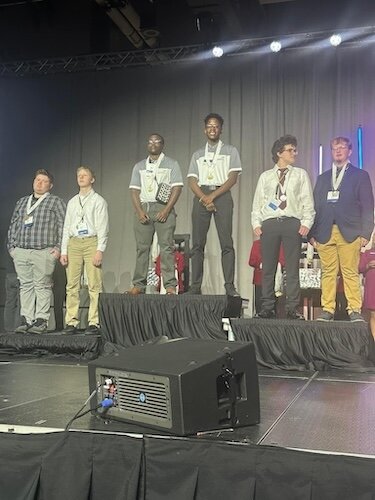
(152, 215)
(84, 241)
(213, 171)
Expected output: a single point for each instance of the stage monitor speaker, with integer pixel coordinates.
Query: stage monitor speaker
(181, 386)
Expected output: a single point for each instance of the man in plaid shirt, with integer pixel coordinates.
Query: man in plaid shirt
(34, 243)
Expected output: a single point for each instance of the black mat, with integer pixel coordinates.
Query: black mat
(49, 344)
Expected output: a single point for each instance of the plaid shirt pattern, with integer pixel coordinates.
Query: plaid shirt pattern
(47, 227)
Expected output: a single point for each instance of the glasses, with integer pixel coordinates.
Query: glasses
(292, 150)
(339, 148)
(154, 141)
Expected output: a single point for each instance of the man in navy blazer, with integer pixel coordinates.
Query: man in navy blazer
(344, 221)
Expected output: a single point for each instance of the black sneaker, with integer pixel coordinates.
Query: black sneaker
(23, 327)
(69, 330)
(92, 330)
(266, 315)
(294, 315)
(39, 326)
(356, 317)
(325, 316)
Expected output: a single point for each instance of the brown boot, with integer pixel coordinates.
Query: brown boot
(170, 291)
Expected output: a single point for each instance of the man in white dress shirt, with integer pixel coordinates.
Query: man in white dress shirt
(283, 212)
(84, 241)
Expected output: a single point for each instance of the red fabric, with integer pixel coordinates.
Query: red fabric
(179, 263)
(255, 260)
(369, 273)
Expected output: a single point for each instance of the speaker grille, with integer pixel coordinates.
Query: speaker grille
(140, 397)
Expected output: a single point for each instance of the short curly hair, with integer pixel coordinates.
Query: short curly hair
(279, 145)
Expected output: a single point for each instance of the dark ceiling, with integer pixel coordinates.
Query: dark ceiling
(47, 28)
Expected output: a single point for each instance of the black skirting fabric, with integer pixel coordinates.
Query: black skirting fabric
(84, 465)
(77, 346)
(187, 470)
(72, 465)
(129, 320)
(312, 345)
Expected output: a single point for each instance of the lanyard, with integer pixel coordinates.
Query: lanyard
(337, 179)
(30, 208)
(207, 156)
(83, 200)
(153, 167)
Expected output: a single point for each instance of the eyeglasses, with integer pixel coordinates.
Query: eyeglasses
(154, 141)
(339, 148)
(291, 150)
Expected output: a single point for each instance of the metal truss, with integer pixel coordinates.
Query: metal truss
(152, 57)
(100, 62)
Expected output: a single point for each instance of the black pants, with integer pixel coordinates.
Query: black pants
(274, 232)
(201, 219)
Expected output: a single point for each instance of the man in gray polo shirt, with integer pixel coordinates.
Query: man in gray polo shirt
(151, 215)
(213, 171)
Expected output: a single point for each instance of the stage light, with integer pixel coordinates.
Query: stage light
(335, 40)
(217, 51)
(320, 159)
(275, 46)
(360, 146)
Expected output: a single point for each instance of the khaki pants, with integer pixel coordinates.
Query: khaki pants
(337, 254)
(80, 254)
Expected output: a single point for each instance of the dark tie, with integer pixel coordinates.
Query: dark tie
(282, 175)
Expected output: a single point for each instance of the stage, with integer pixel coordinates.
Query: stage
(314, 441)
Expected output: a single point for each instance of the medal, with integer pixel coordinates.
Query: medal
(283, 197)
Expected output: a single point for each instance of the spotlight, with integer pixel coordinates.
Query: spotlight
(275, 46)
(335, 40)
(217, 51)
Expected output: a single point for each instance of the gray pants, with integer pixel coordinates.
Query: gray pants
(34, 270)
(201, 219)
(144, 234)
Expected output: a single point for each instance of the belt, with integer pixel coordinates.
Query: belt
(210, 188)
(83, 237)
(281, 219)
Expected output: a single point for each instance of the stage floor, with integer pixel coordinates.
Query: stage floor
(331, 412)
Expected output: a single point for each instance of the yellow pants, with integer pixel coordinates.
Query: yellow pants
(339, 255)
(80, 254)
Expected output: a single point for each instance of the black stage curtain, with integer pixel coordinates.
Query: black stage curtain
(75, 466)
(128, 320)
(80, 466)
(301, 345)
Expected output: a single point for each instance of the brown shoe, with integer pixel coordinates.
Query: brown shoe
(170, 291)
(134, 291)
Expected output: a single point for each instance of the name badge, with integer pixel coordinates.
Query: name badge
(28, 221)
(274, 204)
(333, 196)
(82, 229)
